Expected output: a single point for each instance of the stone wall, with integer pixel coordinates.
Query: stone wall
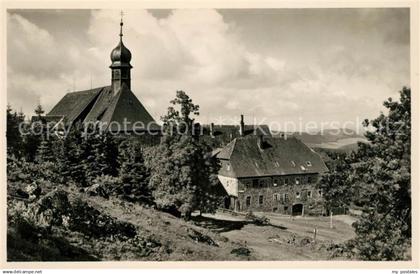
(282, 194)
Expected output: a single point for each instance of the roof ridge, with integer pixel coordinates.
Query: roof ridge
(92, 89)
(112, 105)
(279, 157)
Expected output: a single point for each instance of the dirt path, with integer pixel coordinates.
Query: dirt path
(291, 238)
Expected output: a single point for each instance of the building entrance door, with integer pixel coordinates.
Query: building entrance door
(227, 202)
(297, 209)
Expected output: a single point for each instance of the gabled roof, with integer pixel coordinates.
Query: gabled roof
(125, 108)
(100, 104)
(278, 156)
(73, 104)
(226, 152)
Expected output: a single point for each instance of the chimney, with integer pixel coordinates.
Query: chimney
(212, 130)
(242, 126)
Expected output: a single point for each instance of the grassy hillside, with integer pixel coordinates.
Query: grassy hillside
(94, 228)
(65, 224)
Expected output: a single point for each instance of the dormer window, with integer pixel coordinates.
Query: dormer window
(293, 163)
(302, 168)
(276, 164)
(308, 163)
(228, 167)
(256, 164)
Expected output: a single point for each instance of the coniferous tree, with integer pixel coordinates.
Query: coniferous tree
(100, 152)
(47, 150)
(133, 174)
(70, 157)
(34, 137)
(13, 137)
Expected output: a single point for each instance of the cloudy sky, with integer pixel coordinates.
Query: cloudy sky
(282, 65)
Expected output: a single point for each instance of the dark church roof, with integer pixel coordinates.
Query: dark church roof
(272, 157)
(73, 104)
(102, 105)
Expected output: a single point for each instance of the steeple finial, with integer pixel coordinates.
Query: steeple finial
(121, 25)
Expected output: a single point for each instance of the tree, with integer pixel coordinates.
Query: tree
(35, 135)
(182, 172)
(133, 174)
(14, 138)
(39, 110)
(99, 152)
(70, 157)
(335, 184)
(180, 120)
(382, 179)
(48, 149)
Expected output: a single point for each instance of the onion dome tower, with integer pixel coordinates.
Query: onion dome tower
(120, 57)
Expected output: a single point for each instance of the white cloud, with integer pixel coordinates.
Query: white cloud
(199, 52)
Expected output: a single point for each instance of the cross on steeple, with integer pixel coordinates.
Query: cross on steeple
(121, 24)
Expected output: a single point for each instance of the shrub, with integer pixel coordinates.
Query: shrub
(260, 221)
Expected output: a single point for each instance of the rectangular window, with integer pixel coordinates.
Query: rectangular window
(262, 184)
(297, 194)
(309, 179)
(320, 193)
(255, 183)
(297, 181)
(261, 199)
(309, 193)
(248, 201)
(276, 197)
(286, 197)
(286, 181)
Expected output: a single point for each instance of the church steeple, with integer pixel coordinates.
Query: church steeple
(120, 57)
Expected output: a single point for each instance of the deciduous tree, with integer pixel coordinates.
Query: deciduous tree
(382, 179)
(182, 171)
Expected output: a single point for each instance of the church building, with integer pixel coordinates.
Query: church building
(115, 107)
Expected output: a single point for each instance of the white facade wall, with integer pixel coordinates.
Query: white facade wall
(230, 184)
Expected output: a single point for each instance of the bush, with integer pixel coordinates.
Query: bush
(103, 186)
(241, 251)
(260, 221)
